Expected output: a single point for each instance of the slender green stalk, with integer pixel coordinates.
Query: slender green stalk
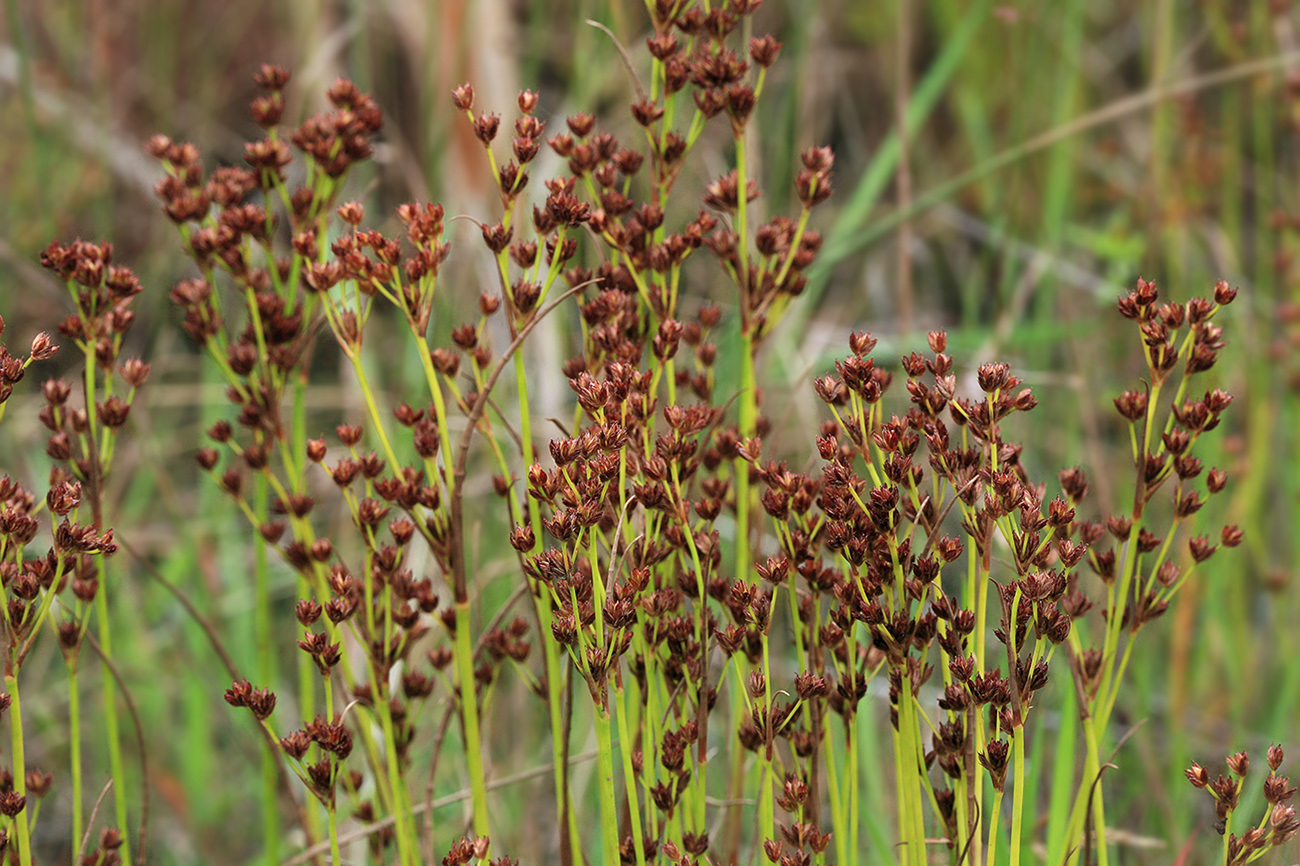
(469, 719)
(1017, 794)
(407, 849)
(18, 746)
(766, 805)
(551, 652)
(629, 774)
(336, 854)
(608, 795)
(266, 663)
(111, 726)
(74, 749)
(840, 820)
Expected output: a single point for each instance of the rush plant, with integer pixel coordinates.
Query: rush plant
(753, 631)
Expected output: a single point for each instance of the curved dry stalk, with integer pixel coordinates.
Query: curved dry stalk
(226, 661)
(94, 813)
(459, 582)
(622, 52)
(140, 742)
(448, 800)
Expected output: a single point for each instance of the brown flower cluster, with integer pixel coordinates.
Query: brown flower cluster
(1279, 826)
(258, 307)
(56, 542)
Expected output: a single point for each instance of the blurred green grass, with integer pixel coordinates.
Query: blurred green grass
(1055, 152)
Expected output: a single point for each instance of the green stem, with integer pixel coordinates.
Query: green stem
(111, 727)
(1089, 796)
(748, 425)
(470, 721)
(1017, 794)
(20, 767)
(336, 856)
(372, 409)
(407, 847)
(608, 801)
(840, 820)
(551, 651)
(911, 821)
(993, 826)
(629, 775)
(74, 746)
(766, 805)
(263, 641)
(742, 213)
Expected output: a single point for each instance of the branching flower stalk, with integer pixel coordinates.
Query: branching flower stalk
(84, 440)
(1140, 577)
(281, 299)
(23, 586)
(522, 297)
(1278, 825)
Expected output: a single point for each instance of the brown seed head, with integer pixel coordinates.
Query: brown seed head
(1223, 293)
(764, 50)
(463, 97)
(271, 77)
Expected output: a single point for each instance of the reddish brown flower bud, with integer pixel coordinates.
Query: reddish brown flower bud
(295, 745)
(1284, 824)
(1223, 293)
(646, 112)
(307, 611)
(42, 347)
(134, 372)
(808, 686)
(580, 124)
(995, 758)
(740, 105)
(485, 127)
(1200, 548)
(1132, 405)
(1188, 505)
(522, 538)
(1197, 775)
(315, 450)
(12, 803)
(463, 97)
(270, 77)
(445, 361)
(112, 412)
(1277, 789)
(993, 377)
(497, 237)
(267, 110)
(352, 213)
(63, 496)
(764, 50)
(1146, 292)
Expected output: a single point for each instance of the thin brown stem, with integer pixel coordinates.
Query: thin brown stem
(460, 582)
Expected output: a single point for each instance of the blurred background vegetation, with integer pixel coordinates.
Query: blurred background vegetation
(1004, 170)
